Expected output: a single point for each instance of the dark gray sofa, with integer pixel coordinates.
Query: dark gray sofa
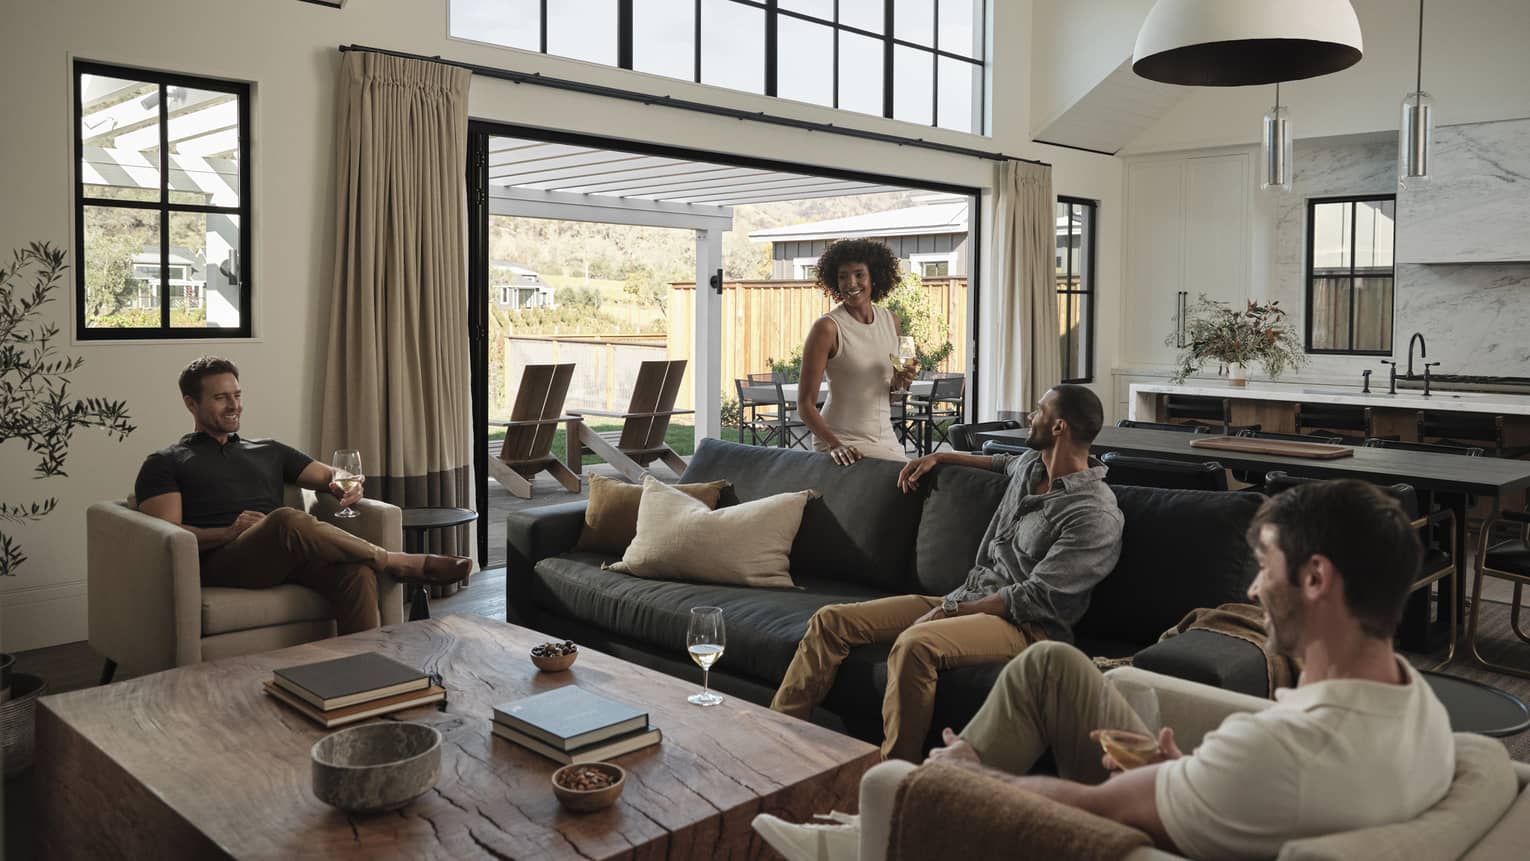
(864, 539)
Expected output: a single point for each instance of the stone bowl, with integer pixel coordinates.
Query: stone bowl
(584, 801)
(377, 766)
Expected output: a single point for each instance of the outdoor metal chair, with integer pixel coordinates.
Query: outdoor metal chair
(527, 447)
(753, 417)
(644, 424)
(930, 416)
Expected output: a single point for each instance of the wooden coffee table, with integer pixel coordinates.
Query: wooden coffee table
(197, 762)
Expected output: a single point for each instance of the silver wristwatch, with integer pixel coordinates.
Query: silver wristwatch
(948, 606)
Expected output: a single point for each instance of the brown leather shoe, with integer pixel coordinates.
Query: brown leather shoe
(445, 569)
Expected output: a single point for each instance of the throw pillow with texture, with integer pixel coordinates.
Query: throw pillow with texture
(610, 520)
(679, 538)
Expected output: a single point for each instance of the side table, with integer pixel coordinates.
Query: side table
(417, 521)
(1476, 707)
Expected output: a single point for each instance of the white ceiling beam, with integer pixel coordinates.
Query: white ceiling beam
(214, 118)
(529, 203)
(833, 191)
(657, 184)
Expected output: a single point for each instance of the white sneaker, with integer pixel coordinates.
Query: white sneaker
(839, 839)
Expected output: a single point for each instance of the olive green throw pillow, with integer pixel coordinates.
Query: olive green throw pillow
(610, 520)
(679, 538)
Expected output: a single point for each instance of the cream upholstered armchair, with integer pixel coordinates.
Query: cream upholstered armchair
(150, 612)
(1484, 816)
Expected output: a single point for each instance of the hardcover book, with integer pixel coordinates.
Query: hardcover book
(359, 711)
(597, 752)
(570, 717)
(342, 682)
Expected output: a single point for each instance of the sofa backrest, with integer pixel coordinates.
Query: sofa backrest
(959, 502)
(1181, 549)
(861, 530)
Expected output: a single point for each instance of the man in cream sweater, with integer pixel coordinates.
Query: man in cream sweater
(1360, 741)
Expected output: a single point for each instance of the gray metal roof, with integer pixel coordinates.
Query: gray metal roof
(569, 169)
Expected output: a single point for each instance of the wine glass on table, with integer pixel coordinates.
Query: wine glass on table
(705, 641)
(905, 356)
(347, 466)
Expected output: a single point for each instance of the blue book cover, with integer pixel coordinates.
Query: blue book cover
(570, 717)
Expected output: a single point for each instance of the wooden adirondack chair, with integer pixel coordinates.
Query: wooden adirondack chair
(527, 449)
(641, 439)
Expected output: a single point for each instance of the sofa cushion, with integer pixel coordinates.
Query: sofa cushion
(611, 518)
(1181, 549)
(861, 531)
(763, 625)
(959, 502)
(226, 609)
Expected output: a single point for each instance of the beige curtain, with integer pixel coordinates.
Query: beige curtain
(1025, 249)
(396, 385)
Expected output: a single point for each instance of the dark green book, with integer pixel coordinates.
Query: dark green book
(347, 681)
(570, 717)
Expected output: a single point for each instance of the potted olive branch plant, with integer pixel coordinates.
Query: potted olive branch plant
(37, 409)
(1237, 338)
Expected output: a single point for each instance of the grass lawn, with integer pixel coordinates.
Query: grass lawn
(681, 438)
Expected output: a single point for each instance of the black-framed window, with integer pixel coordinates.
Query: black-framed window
(921, 61)
(1075, 288)
(1350, 244)
(162, 205)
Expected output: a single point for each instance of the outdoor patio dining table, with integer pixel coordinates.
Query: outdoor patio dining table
(766, 394)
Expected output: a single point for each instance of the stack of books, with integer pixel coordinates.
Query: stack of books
(346, 690)
(571, 725)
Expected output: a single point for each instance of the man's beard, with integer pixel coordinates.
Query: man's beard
(1282, 625)
(1040, 439)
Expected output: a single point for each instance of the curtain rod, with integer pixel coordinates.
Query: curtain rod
(542, 80)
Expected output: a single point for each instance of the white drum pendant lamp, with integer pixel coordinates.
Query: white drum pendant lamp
(1275, 149)
(1416, 132)
(1236, 43)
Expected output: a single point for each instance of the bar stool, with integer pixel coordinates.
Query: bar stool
(1337, 417)
(1454, 428)
(1201, 411)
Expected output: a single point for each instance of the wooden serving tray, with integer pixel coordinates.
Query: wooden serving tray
(1253, 445)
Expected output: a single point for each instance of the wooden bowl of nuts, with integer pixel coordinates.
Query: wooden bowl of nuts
(554, 657)
(586, 786)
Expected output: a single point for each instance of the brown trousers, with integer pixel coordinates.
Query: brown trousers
(1049, 698)
(292, 546)
(919, 653)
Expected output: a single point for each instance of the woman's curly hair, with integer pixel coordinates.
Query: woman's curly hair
(878, 258)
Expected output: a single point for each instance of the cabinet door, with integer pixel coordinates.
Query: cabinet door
(1154, 272)
(1216, 252)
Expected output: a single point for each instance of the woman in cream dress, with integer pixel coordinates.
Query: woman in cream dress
(854, 344)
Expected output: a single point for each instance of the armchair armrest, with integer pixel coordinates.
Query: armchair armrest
(378, 522)
(1192, 709)
(534, 534)
(144, 589)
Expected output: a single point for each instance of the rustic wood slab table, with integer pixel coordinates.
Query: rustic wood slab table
(196, 762)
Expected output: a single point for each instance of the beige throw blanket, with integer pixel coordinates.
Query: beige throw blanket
(942, 811)
(1247, 623)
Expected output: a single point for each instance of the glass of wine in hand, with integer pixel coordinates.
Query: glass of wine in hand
(347, 466)
(705, 641)
(905, 355)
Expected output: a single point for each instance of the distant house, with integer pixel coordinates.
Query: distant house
(514, 287)
(930, 239)
(187, 277)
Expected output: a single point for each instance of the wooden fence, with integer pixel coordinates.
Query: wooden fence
(764, 320)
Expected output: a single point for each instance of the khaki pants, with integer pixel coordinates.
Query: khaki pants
(291, 546)
(1049, 697)
(919, 653)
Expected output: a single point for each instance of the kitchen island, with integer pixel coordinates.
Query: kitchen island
(1272, 405)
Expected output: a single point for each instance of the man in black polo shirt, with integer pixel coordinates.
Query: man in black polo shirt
(227, 491)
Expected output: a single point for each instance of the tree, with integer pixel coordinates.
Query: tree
(918, 317)
(35, 405)
(651, 291)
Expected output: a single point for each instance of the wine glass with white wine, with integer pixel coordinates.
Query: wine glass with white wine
(347, 466)
(705, 641)
(905, 355)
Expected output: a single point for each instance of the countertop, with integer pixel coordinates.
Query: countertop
(1455, 402)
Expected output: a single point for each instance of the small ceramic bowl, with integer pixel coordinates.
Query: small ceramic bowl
(584, 801)
(555, 663)
(377, 766)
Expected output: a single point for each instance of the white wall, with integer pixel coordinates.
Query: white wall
(1475, 65)
(1076, 45)
(287, 48)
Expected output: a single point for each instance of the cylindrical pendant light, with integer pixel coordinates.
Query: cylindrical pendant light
(1235, 43)
(1275, 167)
(1415, 134)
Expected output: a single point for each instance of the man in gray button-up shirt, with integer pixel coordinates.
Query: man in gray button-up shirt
(1056, 534)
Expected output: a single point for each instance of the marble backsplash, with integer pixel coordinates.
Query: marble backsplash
(1474, 317)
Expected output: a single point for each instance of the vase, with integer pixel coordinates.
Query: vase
(1237, 374)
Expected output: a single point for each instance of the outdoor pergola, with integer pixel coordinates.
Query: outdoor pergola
(535, 179)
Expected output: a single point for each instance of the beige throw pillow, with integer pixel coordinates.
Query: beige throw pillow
(610, 520)
(679, 538)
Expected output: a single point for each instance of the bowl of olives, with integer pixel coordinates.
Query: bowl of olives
(554, 657)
